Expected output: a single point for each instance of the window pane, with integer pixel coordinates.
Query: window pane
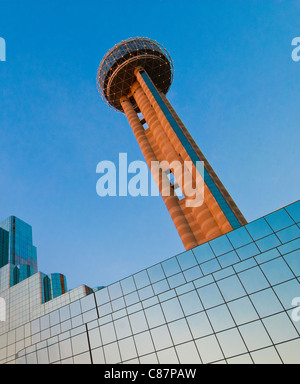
(231, 343)
(156, 273)
(231, 288)
(277, 271)
(255, 335)
(172, 309)
(187, 260)
(190, 303)
(199, 325)
(210, 296)
(259, 229)
(242, 310)
(209, 349)
(253, 280)
(266, 303)
(239, 237)
(221, 245)
(180, 331)
(279, 220)
(220, 318)
(280, 328)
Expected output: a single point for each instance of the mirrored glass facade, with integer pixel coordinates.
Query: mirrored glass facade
(232, 300)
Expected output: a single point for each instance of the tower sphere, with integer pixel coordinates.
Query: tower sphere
(116, 70)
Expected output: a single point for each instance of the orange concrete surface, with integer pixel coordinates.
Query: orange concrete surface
(172, 202)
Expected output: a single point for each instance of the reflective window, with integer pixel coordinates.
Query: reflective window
(231, 288)
(279, 220)
(199, 325)
(289, 352)
(75, 308)
(242, 310)
(287, 291)
(192, 273)
(108, 333)
(80, 343)
(190, 303)
(65, 313)
(268, 242)
(180, 331)
(221, 245)
(87, 303)
(94, 337)
(247, 251)
(266, 302)
(266, 356)
(239, 237)
(141, 279)
(65, 349)
(98, 356)
(220, 318)
(156, 273)
(160, 287)
(132, 298)
(54, 317)
(203, 253)
(255, 335)
(253, 280)
(138, 322)
(115, 291)
(210, 266)
(154, 316)
(118, 304)
(146, 292)
(127, 349)
(102, 296)
(289, 234)
(176, 280)
(171, 267)
(294, 211)
(53, 351)
(266, 256)
(111, 353)
(228, 259)
(45, 322)
(280, 328)
(144, 343)
(259, 228)
(209, 349)
(188, 353)
(187, 260)
(231, 342)
(172, 309)
(168, 356)
(128, 285)
(293, 260)
(277, 271)
(42, 356)
(161, 337)
(122, 327)
(210, 296)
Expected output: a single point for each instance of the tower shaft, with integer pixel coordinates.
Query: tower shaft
(210, 212)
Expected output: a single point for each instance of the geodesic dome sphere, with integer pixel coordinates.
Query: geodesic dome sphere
(116, 70)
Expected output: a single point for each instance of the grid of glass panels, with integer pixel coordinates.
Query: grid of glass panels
(230, 300)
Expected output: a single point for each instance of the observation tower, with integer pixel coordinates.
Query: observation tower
(134, 78)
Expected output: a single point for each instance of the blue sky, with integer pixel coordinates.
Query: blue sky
(235, 87)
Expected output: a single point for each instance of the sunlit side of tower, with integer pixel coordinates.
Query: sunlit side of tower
(134, 77)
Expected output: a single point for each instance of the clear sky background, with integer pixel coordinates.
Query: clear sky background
(235, 87)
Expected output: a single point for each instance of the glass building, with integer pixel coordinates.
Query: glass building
(234, 299)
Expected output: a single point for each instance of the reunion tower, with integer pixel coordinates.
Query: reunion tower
(134, 78)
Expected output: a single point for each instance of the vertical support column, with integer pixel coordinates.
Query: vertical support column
(171, 201)
(183, 147)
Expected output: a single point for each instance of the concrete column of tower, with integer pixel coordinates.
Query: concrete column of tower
(171, 201)
(203, 226)
(209, 216)
(209, 168)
